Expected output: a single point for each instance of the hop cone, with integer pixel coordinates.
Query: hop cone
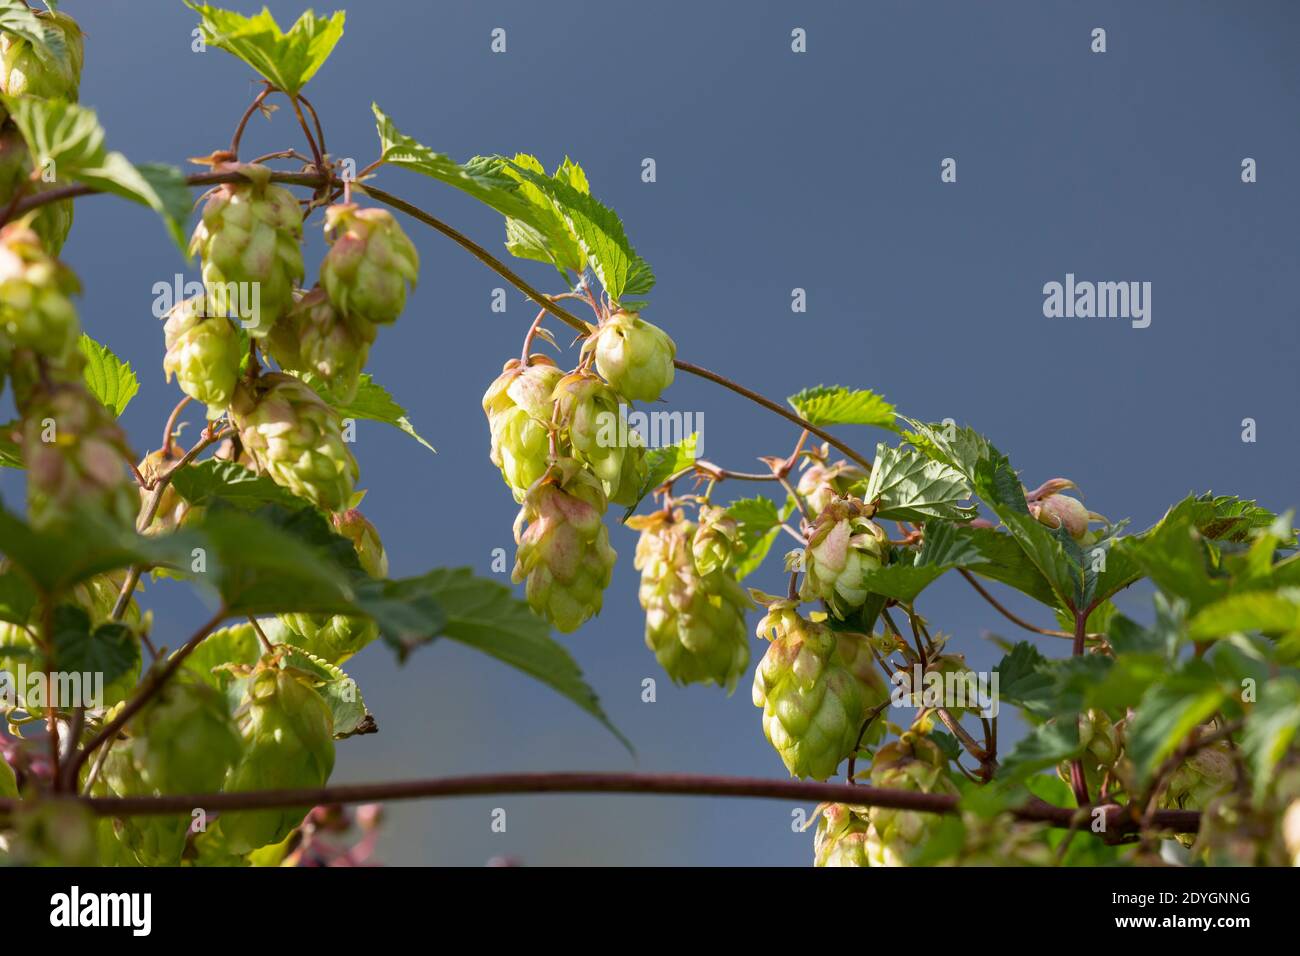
(53, 220)
(821, 483)
(369, 264)
(297, 439)
(518, 407)
(717, 540)
(248, 238)
(315, 337)
(35, 309)
(844, 547)
(635, 357)
(204, 353)
(564, 554)
(184, 741)
(633, 474)
(288, 742)
(911, 763)
(23, 71)
(589, 409)
(1003, 841)
(816, 687)
(1206, 774)
(336, 637)
(695, 623)
(841, 837)
(74, 452)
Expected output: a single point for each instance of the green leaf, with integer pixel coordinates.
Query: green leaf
(759, 524)
(662, 464)
(911, 572)
(1006, 562)
(1270, 612)
(16, 598)
(337, 689)
(484, 615)
(1045, 746)
(1025, 679)
(111, 649)
(373, 403)
(47, 41)
(1219, 518)
(82, 546)
(69, 137)
(1179, 560)
(1270, 730)
(287, 59)
(11, 453)
(109, 378)
(546, 236)
(1167, 714)
(599, 234)
(836, 405)
(200, 483)
(910, 487)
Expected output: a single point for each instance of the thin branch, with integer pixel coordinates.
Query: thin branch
(1009, 615)
(700, 785)
(248, 115)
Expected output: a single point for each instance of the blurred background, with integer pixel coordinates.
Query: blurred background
(775, 170)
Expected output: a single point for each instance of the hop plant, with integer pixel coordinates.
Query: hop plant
(369, 264)
(315, 337)
(634, 356)
(695, 623)
(288, 742)
(821, 483)
(518, 406)
(336, 637)
(204, 353)
(75, 456)
(1206, 774)
(816, 687)
(841, 837)
(844, 547)
(36, 312)
(249, 239)
(28, 71)
(295, 438)
(633, 475)
(51, 221)
(913, 762)
(717, 540)
(563, 545)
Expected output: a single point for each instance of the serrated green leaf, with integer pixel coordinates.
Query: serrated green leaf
(911, 487)
(598, 232)
(1270, 730)
(1270, 612)
(69, 138)
(662, 464)
(484, 615)
(546, 236)
(109, 379)
(288, 59)
(1219, 517)
(1168, 712)
(110, 649)
(836, 405)
(758, 524)
(372, 402)
(200, 483)
(1025, 679)
(336, 688)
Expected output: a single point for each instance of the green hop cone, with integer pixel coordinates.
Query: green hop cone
(288, 742)
(518, 406)
(296, 438)
(913, 762)
(821, 483)
(75, 454)
(51, 221)
(564, 553)
(816, 687)
(717, 540)
(589, 411)
(634, 473)
(315, 337)
(249, 239)
(1206, 774)
(53, 73)
(369, 264)
(844, 547)
(336, 637)
(35, 309)
(695, 623)
(204, 353)
(841, 837)
(634, 356)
